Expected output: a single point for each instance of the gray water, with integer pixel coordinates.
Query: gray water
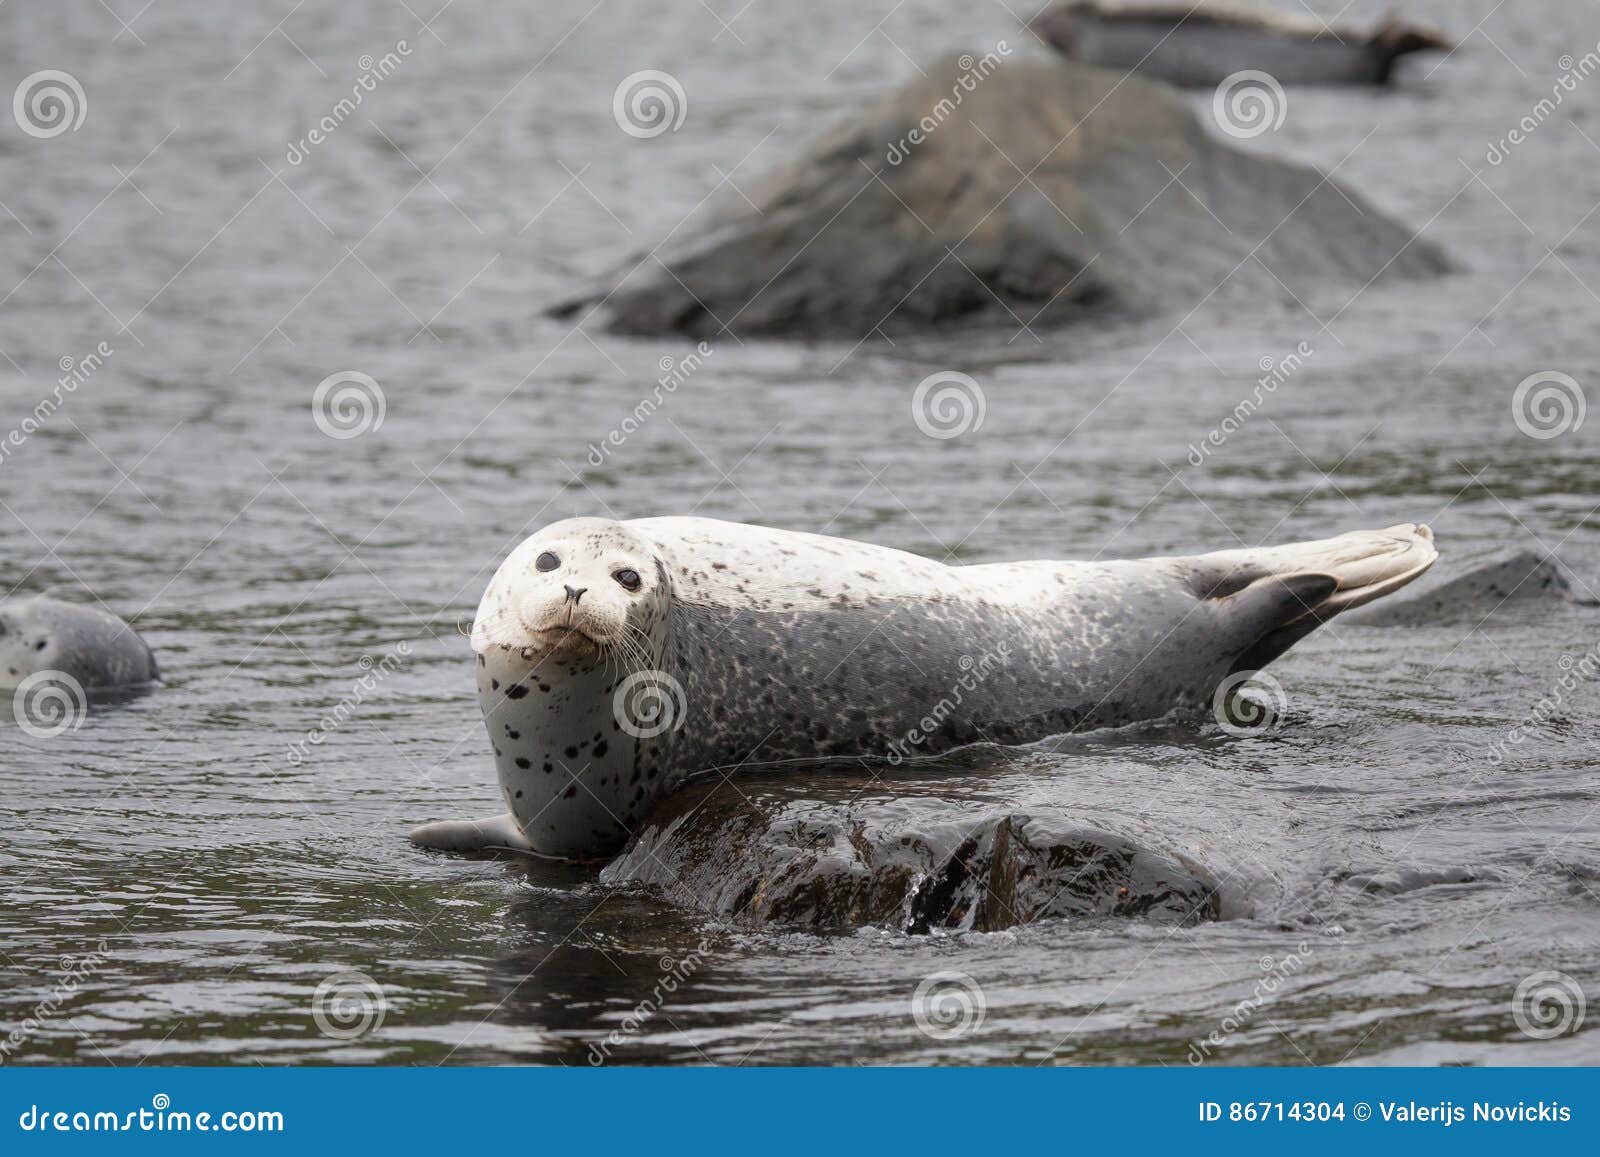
(176, 886)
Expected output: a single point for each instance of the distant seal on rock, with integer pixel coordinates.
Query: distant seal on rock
(617, 659)
(93, 647)
(1201, 46)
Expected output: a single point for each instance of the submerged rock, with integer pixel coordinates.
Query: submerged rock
(762, 856)
(1518, 576)
(1006, 192)
(1206, 44)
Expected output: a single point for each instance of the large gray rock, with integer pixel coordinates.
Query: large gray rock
(762, 855)
(1048, 191)
(1507, 580)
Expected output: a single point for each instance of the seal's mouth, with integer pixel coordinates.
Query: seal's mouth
(561, 643)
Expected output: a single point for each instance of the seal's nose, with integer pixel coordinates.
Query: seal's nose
(574, 595)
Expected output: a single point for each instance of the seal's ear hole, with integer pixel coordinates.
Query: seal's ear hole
(547, 561)
(628, 578)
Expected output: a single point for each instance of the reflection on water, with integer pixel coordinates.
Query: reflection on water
(1394, 883)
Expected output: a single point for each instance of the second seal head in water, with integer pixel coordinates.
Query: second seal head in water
(616, 659)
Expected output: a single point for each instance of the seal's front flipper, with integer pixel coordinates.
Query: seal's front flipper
(495, 835)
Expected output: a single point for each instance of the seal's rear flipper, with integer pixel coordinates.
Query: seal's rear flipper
(1395, 39)
(495, 834)
(1278, 595)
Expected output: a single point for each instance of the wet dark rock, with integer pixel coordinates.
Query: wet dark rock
(1049, 192)
(1203, 45)
(763, 858)
(1507, 580)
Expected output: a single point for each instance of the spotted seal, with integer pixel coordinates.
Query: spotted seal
(1201, 45)
(45, 637)
(617, 659)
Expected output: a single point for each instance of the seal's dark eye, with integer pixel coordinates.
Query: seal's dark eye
(628, 578)
(547, 561)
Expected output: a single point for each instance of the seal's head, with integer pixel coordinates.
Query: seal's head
(578, 589)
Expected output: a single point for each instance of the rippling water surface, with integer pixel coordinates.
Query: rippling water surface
(203, 882)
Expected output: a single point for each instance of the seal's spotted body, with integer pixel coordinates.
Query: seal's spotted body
(771, 647)
(93, 647)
